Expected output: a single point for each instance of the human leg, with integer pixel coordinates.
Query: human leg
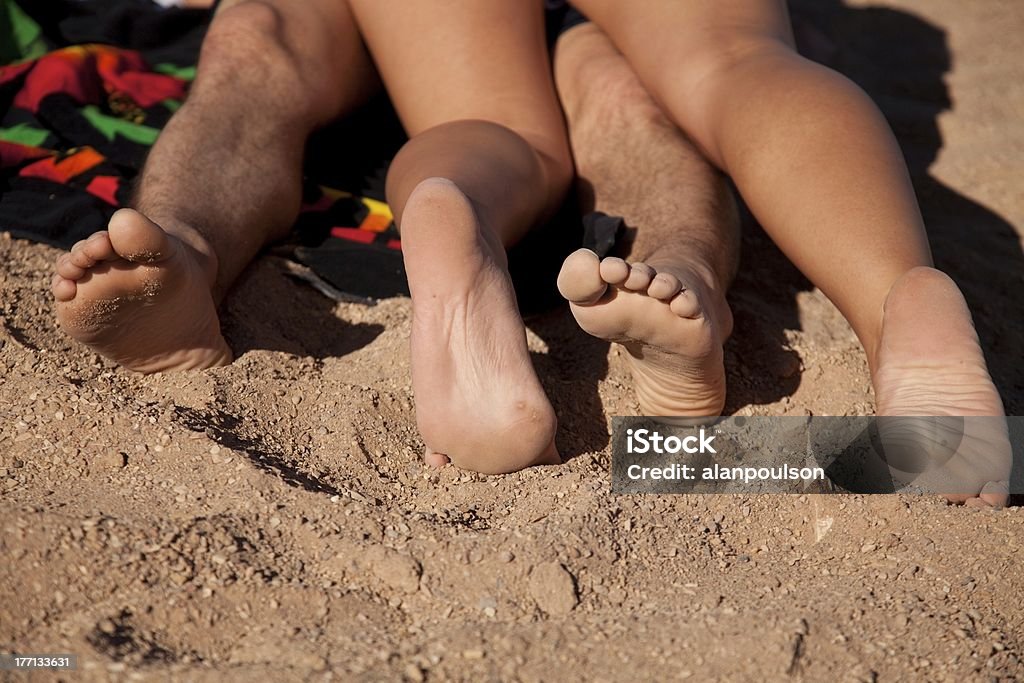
(809, 152)
(222, 181)
(667, 307)
(821, 171)
(487, 160)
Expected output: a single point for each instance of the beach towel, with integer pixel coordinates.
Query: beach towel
(86, 87)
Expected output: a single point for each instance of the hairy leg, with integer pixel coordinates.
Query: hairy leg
(820, 169)
(668, 306)
(221, 182)
(486, 161)
(808, 150)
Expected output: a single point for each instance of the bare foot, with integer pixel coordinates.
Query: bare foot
(929, 363)
(670, 319)
(141, 297)
(478, 401)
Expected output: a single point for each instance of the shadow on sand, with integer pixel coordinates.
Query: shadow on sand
(901, 60)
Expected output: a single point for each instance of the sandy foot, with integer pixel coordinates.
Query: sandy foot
(478, 400)
(666, 316)
(141, 297)
(929, 363)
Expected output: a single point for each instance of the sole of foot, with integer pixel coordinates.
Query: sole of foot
(140, 297)
(479, 403)
(929, 363)
(669, 319)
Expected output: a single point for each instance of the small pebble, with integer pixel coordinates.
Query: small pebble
(111, 460)
(413, 673)
(399, 571)
(554, 589)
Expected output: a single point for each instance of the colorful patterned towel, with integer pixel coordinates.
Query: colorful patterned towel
(85, 88)
(77, 120)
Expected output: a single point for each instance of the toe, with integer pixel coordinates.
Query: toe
(136, 238)
(640, 276)
(664, 286)
(79, 257)
(580, 281)
(80, 260)
(995, 493)
(63, 289)
(77, 246)
(435, 459)
(67, 269)
(685, 305)
(614, 270)
(98, 248)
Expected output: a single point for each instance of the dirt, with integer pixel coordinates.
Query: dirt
(272, 520)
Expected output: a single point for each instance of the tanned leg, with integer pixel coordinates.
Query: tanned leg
(222, 181)
(486, 161)
(822, 172)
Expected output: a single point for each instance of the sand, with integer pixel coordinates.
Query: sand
(272, 520)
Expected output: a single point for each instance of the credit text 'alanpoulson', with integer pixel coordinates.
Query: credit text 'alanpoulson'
(645, 441)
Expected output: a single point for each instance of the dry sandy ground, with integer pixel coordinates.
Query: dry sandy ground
(272, 520)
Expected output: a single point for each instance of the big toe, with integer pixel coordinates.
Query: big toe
(136, 238)
(995, 494)
(580, 281)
